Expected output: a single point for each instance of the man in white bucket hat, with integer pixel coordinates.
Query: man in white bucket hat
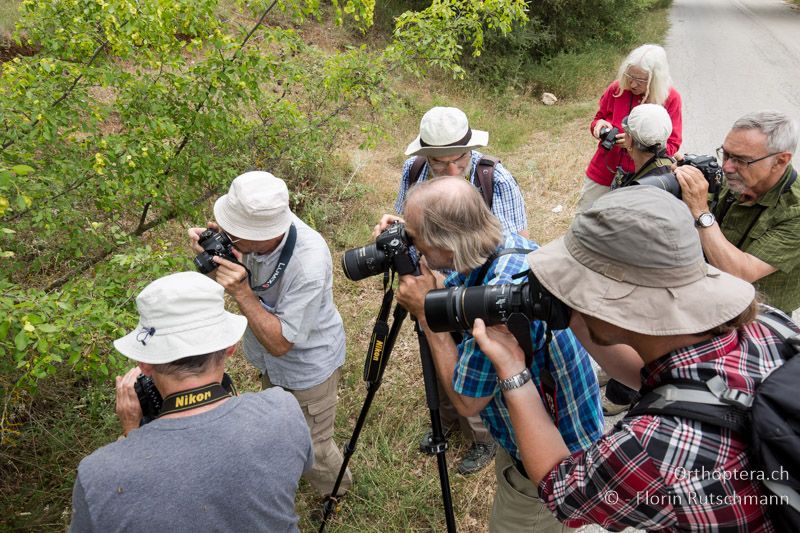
(211, 459)
(632, 271)
(446, 146)
(283, 284)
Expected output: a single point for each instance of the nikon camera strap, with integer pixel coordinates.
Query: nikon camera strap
(193, 398)
(283, 260)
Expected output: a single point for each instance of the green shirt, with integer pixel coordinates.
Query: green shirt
(770, 230)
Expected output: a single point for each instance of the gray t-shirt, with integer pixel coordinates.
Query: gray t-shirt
(303, 301)
(233, 468)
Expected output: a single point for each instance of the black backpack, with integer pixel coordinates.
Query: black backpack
(769, 419)
(485, 175)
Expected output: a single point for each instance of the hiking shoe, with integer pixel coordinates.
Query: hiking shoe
(610, 408)
(478, 456)
(426, 442)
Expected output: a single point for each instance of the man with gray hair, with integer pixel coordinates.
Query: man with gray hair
(211, 460)
(453, 229)
(752, 233)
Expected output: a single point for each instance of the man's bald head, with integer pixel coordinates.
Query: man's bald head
(449, 214)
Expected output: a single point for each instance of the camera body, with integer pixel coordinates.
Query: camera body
(214, 244)
(149, 398)
(608, 137)
(706, 164)
(391, 250)
(456, 308)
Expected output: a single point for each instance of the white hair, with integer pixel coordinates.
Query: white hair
(652, 59)
(781, 130)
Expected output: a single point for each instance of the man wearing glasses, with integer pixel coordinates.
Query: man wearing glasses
(754, 230)
(446, 146)
(283, 284)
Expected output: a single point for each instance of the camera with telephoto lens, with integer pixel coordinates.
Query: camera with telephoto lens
(391, 250)
(608, 137)
(213, 244)
(456, 308)
(706, 164)
(149, 398)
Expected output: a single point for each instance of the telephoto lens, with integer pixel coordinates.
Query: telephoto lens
(456, 308)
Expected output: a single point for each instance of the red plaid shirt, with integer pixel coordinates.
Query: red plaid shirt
(668, 473)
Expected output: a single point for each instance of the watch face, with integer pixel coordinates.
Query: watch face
(705, 220)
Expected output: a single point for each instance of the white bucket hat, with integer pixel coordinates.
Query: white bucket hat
(256, 207)
(649, 124)
(634, 260)
(181, 315)
(446, 131)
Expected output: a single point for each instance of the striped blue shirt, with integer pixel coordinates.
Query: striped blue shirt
(507, 202)
(580, 418)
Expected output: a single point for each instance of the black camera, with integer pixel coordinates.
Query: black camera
(706, 164)
(608, 137)
(151, 401)
(149, 398)
(456, 308)
(391, 250)
(213, 243)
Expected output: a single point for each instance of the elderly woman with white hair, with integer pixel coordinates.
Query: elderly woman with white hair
(643, 78)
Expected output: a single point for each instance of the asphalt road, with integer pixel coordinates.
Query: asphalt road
(730, 57)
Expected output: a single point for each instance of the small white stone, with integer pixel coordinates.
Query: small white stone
(549, 98)
(558, 208)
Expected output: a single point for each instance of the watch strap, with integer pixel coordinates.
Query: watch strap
(514, 382)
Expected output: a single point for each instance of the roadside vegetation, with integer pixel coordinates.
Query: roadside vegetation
(122, 120)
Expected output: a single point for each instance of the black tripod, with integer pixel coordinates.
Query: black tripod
(383, 339)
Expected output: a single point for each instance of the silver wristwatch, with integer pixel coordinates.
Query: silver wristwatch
(705, 220)
(514, 382)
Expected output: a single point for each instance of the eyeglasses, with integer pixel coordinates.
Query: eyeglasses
(737, 161)
(641, 81)
(442, 165)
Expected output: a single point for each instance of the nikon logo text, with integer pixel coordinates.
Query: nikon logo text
(376, 353)
(189, 399)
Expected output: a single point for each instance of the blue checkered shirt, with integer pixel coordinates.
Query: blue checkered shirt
(507, 202)
(580, 418)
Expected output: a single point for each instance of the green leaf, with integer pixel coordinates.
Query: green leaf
(21, 340)
(22, 170)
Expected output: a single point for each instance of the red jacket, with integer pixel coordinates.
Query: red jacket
(613, 109)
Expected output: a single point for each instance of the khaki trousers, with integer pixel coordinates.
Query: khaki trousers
(517, 507)
(590, 192)
(319, 408)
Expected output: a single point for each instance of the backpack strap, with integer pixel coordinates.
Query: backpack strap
(416, 169)
(791, 340)
(485, 174)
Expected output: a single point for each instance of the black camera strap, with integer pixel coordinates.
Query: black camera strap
(283, 260)
(193, 398)
(493, 257)
(375, 361)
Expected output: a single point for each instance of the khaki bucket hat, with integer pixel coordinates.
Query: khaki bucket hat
(634, 260)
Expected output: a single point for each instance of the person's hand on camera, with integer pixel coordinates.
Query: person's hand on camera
(501, 347)
(232, 276)
(128, 409)
(386, 221)
(599, 125)
(412, 290)
(194, 236)
(694, 189)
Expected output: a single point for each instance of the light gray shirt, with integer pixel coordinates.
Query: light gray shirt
(233, 468)
(302, 299)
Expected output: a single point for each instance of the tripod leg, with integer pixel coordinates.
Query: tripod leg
(372, 387)
(439, 444)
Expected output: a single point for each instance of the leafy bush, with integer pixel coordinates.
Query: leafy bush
(559, 34)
